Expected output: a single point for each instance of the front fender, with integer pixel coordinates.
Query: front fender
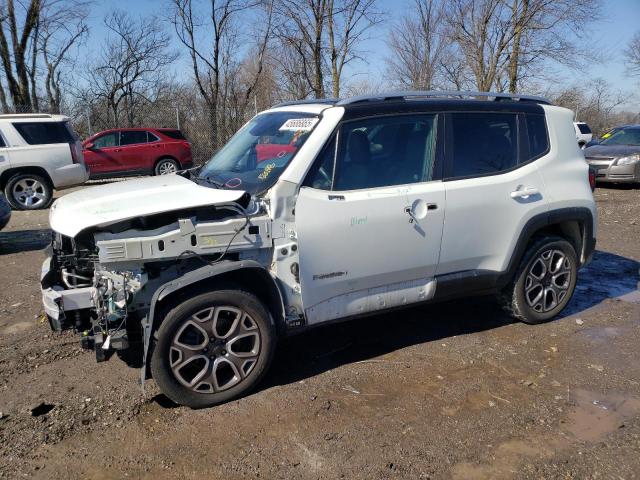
(149, 323)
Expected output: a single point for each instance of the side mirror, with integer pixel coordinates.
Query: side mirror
(89, 146)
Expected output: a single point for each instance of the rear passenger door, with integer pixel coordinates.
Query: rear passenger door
(135, 154)
(369, 218)
(493, 187)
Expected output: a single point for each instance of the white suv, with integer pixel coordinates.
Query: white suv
(321, 211)
(583, 133)
(38, 152)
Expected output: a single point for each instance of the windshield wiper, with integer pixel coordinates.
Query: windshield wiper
(209, 179)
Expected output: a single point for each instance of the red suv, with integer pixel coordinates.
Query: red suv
(136, 151)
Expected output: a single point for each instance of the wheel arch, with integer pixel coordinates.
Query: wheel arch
(10, 172)
(247, 275)
(574, 224)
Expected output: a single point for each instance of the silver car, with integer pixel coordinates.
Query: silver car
(617, 158)
(5, 211)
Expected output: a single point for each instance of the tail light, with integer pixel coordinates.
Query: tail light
(592, 178)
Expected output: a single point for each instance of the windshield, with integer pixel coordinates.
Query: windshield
(259, 152)
(624, 136)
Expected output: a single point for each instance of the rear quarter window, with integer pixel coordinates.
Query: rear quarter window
(43, 133)
(537, 135)
(175, 134)
(584, 128)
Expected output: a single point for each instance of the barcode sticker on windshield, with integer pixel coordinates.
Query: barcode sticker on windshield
(297, 124)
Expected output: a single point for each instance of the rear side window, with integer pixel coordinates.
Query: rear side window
(175, 134)
(584, 128)
(537, 135)
(131, 138)
(483, 143)
(42, 133)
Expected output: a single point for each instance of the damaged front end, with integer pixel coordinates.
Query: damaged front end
(99, 277)
(77, 294)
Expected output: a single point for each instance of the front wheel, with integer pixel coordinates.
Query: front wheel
(213, 348)
(544, 282)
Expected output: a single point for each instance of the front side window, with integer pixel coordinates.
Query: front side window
(624, 136)
(378, 152)
(106, 141)
(249, 160)
(132, 137)
(44, 133)
(483, 143)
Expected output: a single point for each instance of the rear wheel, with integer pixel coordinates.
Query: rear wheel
(544, 282)
(165, 166)
(27, 191)
(213, 348)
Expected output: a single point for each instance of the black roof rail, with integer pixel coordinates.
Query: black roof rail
(309, 101)
(418, 95)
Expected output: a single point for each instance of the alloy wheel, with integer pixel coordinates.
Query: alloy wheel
(29, 192)
(215, 349)
(548, 280)
(167, 167)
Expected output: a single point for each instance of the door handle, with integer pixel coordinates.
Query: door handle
(524, 192)
(118, 150)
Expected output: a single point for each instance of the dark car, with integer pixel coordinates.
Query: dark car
(5, 211)
(137, 151)
(616, 159)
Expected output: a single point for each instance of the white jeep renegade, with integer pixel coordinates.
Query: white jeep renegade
(318, 211)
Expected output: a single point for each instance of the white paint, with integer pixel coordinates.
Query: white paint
(105, 204)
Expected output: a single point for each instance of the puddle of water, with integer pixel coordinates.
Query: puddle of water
(600, 335)
(596, 415)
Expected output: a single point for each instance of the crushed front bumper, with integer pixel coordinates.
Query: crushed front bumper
(58, 302)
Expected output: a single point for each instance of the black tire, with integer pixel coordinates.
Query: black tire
(166, 357)
(166, 162)
(15, 191)
(518, 297)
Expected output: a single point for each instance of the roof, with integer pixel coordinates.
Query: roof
(403, 96)
(26, 117)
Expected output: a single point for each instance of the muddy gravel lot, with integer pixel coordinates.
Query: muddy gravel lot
(455, 390)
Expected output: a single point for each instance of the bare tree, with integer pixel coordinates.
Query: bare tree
(596, 104)
(348, 22)
(62, 26)
(215, 62)
(632, 54)
(131, 65)
(418, 45)
(482, 32)
(15, 47)
(301, 31)
(542, 30)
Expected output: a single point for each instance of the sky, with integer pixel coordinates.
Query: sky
(608, 36)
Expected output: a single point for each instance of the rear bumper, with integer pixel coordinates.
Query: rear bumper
(70, 175)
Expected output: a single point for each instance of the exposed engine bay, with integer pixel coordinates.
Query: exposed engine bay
(101, 282)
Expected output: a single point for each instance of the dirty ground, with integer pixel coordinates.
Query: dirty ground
(454, 390)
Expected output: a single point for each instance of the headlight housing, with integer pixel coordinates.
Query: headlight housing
(628, 160)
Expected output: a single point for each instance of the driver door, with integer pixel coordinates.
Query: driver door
(369, 219)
